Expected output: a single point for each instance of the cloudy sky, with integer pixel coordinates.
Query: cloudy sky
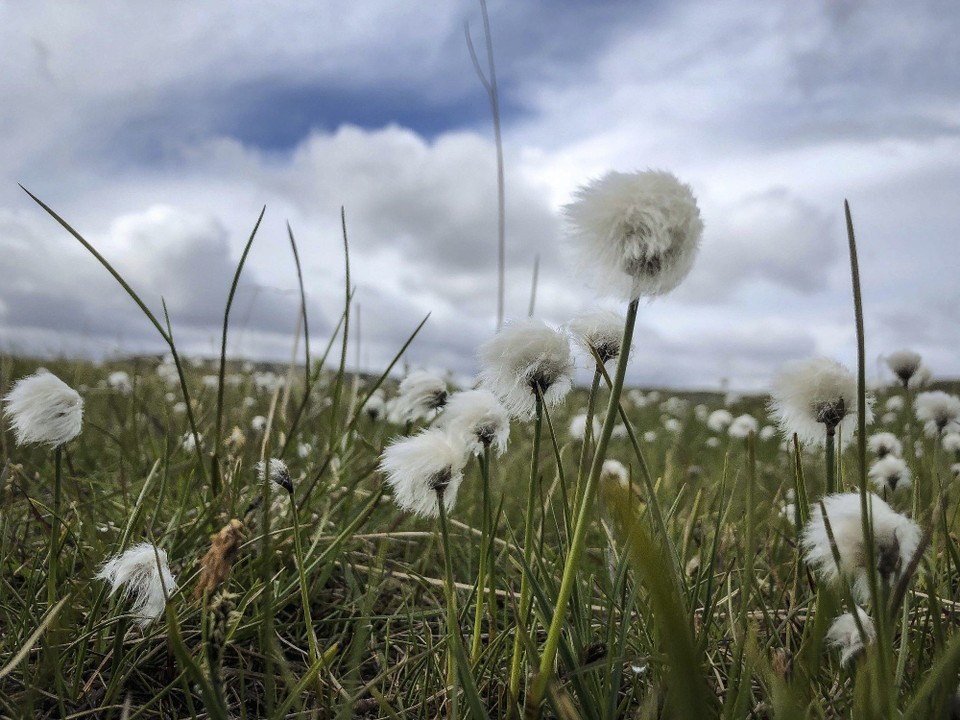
(159, 130)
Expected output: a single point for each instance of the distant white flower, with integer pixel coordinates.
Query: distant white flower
(478, 418)
(951, 442)
(742, 426)
(600, 332)
(375, 407)
(189, 441)
(148, 583)
(918, 448)
(843, 634)
(888, 418)
(732, 398)
(814, 397)
(279, 473)
(937, 410)
(894, 403)
(788, 511)
(653, 396)
(267, 381)
(882, 444)
(619, 431)
(650, 436)
(524, 358)
(921, 377)
(421, 393)
(890, 472)
(578, 427)
(675, 406)
(211, 382)
(955, 469)
(701, 412)
(614, 470)
(303, 450)
(719, 420)
(258, 424)
(44, 409)
(767, 432)
(637, 398)
(904, 364)
(712, 442)
(119, 380)
(249, 402)
(637, 233)
(420, 467)
(180, 407)
(895, 539)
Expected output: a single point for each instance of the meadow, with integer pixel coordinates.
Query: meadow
(656, 563)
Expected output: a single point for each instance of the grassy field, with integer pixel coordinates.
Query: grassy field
(640, 638)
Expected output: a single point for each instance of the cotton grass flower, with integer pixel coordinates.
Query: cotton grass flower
(894, 404)
(882, 444)
(890, 473)
(719, 420)
(937, 410)
(423, 468)
(375, 407)
(951, 442)
(742, 426)
(895, 539)
(279, 473)
(525, 359)
(599, 332)
(578, 427)
(120, 382)
(44, 409)
(813, 398)
(478, 419)
(904, 364)
(636, 233)
(142, 579)
(844, 635)
(920, 378)
(421, 393)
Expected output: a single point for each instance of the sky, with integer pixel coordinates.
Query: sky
(160, 130)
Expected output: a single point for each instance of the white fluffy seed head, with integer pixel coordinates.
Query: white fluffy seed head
(904, 363)
(44, 409)
(421, 394)
(636, 233)
(742, 426)
(279, 473)
(600, 332)
(578, 427)
(895, 539)
(921, 377)
(479, 419)
(843, 634)
(890, 473)
(375, 407)
(148, 583)
(937, 410)
(418, 467)
(719, 420)
(524, 357)
(882, 444)
(951, 442)
(810, 395)
(615, 471)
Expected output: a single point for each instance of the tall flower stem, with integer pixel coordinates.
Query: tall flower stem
(516, 664)
(453, 624)
(587, 435)
(484, 552)
(583, 516)
(831, 461)
(54, 569)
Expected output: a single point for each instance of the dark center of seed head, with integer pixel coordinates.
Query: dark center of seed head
(607, 350)
(439, 480)
(888, 559)
(437, 400)
(485, 435)
(831, 413)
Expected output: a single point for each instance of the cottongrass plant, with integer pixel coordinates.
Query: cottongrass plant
(421, 395)
(637, 234)
(144, 576)
(904, 364)
(882, 444)
(890, 473)
(938, 411)
(895, 540)
(43, 409)
(815, 398)
(845, 635)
